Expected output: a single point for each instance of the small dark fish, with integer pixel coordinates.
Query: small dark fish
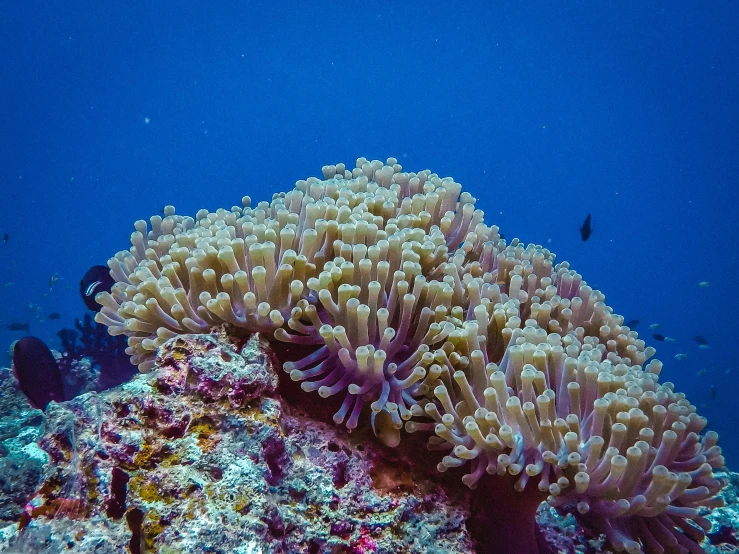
(97, 279)
(700, 339)
(713, 391)
(54, 279)
(658, 337)
(502, 236)
(18, 326)
(54, 316)
(6, 238)
(586, 230)
(37, 372)
(632, 323)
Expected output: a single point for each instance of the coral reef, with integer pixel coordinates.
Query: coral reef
(410, 305)
(91, 359)
(210, 459)
(204, 454)
(21, 460)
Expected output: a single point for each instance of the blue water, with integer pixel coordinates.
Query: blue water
(628, 111)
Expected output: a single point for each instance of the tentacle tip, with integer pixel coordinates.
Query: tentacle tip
(470, 481)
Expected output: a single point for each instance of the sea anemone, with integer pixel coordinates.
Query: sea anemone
(415, 307)
(551, 396)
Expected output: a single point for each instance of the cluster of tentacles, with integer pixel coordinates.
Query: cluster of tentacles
(418, 310)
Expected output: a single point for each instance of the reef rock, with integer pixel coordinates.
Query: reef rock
(203, 455)
(21, 460)
(208, 453)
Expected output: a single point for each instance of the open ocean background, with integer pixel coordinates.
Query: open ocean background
(545, 111)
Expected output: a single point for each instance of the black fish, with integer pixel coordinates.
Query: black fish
(6, 237)
(632, 323)
(17, 326)
(53, 316)
(37, 372)
(585, 230)
(502, 236)
(97, 279)
(700, 339)
(658, 337)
